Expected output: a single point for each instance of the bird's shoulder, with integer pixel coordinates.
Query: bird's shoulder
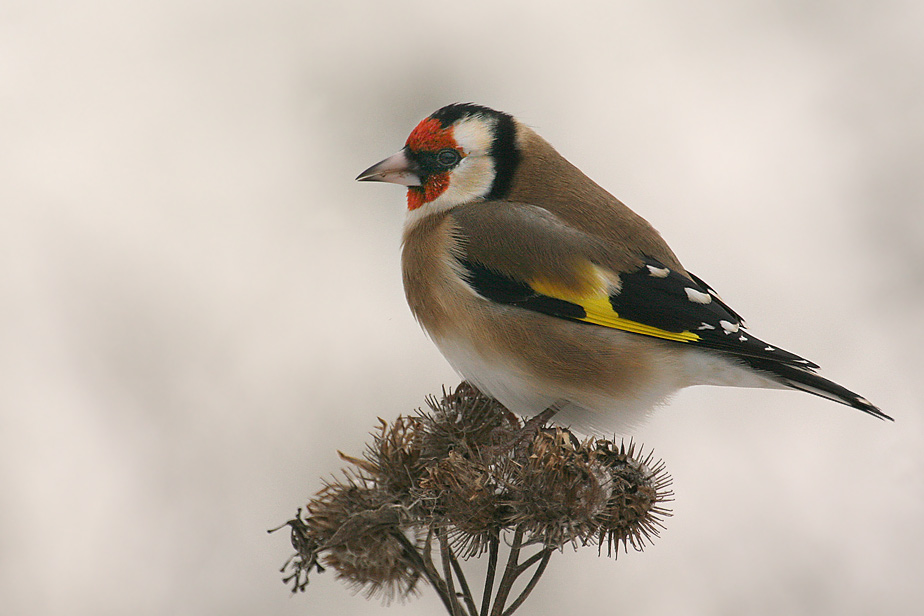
(546, 179)
(529, 241)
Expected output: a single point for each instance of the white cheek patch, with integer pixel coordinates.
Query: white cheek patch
(474, 175)
(471, 179)
(474, 135)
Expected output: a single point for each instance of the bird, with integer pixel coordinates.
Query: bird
(546, 292)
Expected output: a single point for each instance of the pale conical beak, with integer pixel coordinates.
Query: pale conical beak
(397, 169)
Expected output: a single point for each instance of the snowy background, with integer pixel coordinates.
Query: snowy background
(199, 306)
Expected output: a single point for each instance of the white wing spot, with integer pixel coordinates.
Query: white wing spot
(705, 326)
(697, 297)
(769, 348)
(658, 272)
(743, 338)
(730, 328)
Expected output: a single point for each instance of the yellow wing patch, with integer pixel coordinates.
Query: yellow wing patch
(590, 290)
(589, 281)
(600, 312)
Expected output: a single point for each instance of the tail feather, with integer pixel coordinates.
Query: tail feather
(808, 381)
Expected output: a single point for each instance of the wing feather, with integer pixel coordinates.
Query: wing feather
(565, 273)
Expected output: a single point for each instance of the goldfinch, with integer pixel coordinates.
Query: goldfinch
(545, 291)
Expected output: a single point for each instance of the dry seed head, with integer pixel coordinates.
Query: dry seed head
(360, 531)
(634, 510)
(560, 490)
(393, 459)
(466, 497)
(465, 421)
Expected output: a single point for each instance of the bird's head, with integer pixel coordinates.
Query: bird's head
(459, 154)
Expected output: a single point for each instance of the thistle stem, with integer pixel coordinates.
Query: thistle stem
(510, 573)
(426, 568)
(463, 583)
(545, 554)
(489, 576)
(456, 609)
(529, 562)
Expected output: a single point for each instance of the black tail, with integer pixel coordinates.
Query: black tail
(804, 379)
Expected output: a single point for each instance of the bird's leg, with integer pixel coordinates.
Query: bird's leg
(527, 433)
(533, 424)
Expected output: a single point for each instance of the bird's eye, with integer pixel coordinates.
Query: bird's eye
(447, 157)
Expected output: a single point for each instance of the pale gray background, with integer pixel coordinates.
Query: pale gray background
(199, 305)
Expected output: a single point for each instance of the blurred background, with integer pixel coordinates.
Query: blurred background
(200, 306)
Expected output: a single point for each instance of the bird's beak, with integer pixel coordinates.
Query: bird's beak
(397, 169)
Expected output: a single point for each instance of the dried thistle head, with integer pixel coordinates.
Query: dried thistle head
(393, 459)
(363, 535)
(640, 487)
(560, 489)
(466, 496)
(465, 421)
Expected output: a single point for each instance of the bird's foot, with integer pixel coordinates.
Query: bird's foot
(521, 439)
